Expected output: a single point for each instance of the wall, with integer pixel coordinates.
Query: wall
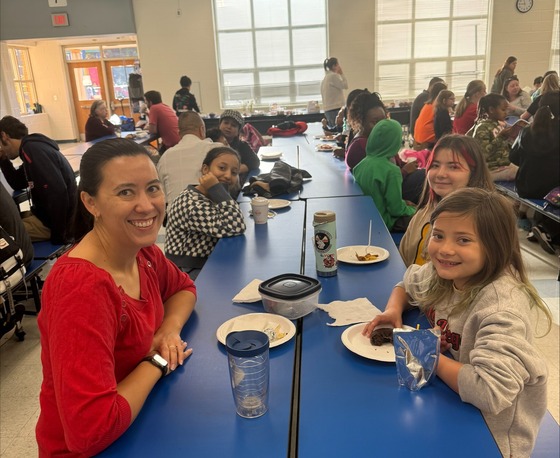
(53, 89)
(172, 45)
(32, 18)
(526, 36)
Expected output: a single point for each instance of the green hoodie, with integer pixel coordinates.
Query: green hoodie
(379, 177)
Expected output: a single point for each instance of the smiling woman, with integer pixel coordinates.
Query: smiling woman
(113, 297)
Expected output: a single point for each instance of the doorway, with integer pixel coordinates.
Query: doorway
(117, 77)
(88, 84)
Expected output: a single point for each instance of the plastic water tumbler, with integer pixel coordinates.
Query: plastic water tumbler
(249, 371)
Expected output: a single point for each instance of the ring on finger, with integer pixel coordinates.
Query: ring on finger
(172, 346)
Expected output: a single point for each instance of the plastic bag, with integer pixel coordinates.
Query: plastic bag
(417, 355)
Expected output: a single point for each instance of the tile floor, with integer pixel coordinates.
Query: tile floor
(20, 365)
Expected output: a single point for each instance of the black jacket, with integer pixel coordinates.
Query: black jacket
(51, 180)
(539, 165)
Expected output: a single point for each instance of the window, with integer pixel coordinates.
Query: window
(270, 51)
(555, 51)
(446, 38)
(23, 79)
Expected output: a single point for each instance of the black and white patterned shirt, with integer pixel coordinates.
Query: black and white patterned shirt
(196, 222)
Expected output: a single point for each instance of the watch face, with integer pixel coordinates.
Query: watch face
(524, 5)
(160, 360)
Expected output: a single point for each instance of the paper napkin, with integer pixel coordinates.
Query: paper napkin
(349, 312)
(250, 293)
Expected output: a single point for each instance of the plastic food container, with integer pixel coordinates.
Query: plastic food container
(290, 295)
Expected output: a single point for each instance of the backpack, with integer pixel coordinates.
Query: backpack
(12, 272)
(252, 136)
(288, 129)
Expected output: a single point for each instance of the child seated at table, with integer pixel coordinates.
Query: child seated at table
(380, 178)
(491, 132)
(203, 214)
(476, 290)
(455, 162)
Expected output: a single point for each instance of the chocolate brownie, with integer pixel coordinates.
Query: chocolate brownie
(381, 335)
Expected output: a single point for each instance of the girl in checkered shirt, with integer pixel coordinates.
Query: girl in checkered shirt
(203, 214)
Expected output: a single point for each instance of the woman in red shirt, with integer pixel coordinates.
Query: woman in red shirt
(113, 307)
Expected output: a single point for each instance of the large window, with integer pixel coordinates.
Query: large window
(555, 48)
(419, 39)
(270, 51)
(23, 79)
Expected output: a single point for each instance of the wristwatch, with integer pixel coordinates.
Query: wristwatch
(158, 361)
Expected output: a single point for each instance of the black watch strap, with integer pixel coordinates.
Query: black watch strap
(154, 362)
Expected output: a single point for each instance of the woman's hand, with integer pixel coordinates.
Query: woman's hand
(172, 348)
(391, 317)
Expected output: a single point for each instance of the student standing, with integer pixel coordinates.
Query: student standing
(332, 89)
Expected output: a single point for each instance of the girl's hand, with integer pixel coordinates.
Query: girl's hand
(388, 317)
(207, 181)
(505, 132)
(410, 167)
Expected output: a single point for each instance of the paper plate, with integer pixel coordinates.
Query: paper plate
(269, 155)
(353, 339)
(348, 254)
(275, 204)
(326, 148)
(258, 322)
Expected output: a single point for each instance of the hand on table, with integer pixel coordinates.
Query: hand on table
(172, 348)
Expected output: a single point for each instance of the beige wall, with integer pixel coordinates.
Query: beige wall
(526, 36)
(53, 90)
(172, 45)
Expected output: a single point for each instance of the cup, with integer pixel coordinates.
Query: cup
(259, 207)
(249, 371)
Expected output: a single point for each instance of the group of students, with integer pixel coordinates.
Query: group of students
(114, 305)
(465, 269)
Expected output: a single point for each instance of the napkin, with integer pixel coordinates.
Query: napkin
(349, 312)
(250, 293)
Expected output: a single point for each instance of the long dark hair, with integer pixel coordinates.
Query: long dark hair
(546, 122)
(91, 176)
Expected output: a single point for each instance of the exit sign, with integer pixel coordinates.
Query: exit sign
(59, 19)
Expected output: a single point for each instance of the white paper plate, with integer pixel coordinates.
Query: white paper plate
(257, 322)
(271, 155)
(348, 254)
(325, 138)
(325, 148)
(353, 339)
(275, 204)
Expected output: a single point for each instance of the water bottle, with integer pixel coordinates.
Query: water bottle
(324, 241)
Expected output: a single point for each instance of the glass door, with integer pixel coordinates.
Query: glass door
(118, 73)
(88, 85)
